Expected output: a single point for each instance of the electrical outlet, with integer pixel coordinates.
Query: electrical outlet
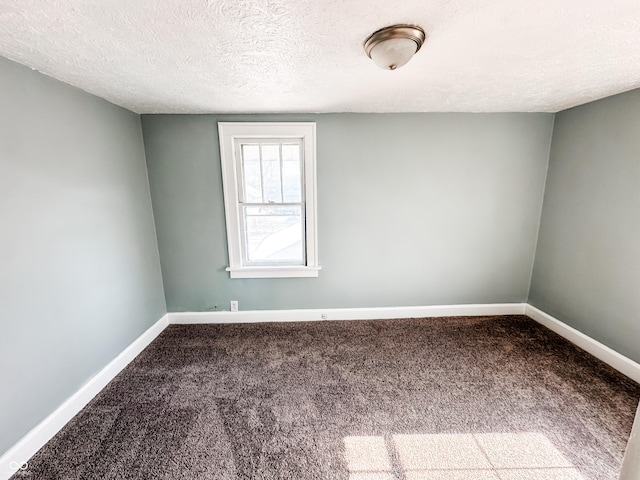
(234, 305)
(323, 316)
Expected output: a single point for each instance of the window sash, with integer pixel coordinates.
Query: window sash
(284, 232)
(244, 206)
(280, 142)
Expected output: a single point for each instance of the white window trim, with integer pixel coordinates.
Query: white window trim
(228, 132)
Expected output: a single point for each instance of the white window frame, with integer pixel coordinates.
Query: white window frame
(228, 133)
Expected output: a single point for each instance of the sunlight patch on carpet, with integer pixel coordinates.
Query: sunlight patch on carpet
(478, 456)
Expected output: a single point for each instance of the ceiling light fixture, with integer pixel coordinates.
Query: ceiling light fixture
(392, 47)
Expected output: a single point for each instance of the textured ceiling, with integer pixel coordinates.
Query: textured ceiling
(227, 56)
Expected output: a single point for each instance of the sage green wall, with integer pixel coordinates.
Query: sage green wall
(414, 209)
(80, 275)
(587, 267)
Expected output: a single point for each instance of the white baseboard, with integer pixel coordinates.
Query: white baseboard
(22, 451)
(618, 361)
(322, 314)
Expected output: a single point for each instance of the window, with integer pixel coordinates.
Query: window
(269, 179)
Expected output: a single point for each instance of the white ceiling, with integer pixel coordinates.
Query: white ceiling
(228, 56)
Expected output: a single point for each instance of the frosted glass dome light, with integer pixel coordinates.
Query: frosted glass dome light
(392, 47)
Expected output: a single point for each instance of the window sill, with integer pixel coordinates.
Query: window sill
(273, 272)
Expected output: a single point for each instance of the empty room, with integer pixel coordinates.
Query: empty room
(320, 240)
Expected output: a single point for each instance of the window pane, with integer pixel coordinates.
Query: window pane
(271, 173)
(291, 174)
(274, 234)
(251, 172)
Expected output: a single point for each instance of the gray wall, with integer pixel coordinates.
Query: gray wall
(79, 276)
(414, 209)
(587, 268)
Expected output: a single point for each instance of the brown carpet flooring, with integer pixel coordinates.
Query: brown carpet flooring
(476, 398)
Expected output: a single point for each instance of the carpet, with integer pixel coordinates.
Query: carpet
(473, 398)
